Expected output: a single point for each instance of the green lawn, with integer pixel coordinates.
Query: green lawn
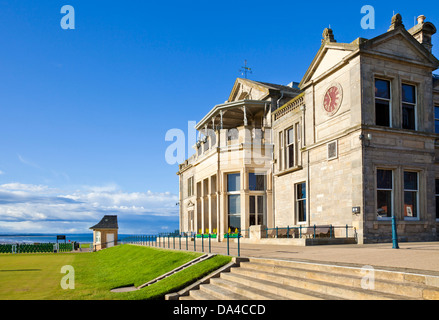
(38, 276)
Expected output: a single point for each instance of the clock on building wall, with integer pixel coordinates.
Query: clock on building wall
(332, 99)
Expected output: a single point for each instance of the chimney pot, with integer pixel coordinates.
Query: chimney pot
(421, 19)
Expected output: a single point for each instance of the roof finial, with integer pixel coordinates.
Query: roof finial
(328, 35)
(396, 22)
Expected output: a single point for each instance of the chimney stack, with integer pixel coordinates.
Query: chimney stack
(423, 31)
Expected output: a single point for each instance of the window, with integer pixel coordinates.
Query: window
(436, 119)
(234, 201)
(384, 193)
(256, 181)
(301, 202)
(437, 199)
(332, 150)
(190, 186)
(233, 182)
(383, 115)
(290, 148)
(410, 195)
(408, 107)
(97, 237)
(257, 186)
(257, 210)
(281, 150)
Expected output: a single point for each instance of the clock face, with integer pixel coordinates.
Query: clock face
(332, 99)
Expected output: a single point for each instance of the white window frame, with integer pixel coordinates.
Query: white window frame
(281, 150)
(98, 237)
(230, 193)
(417, 196)
(190, 186)
(298, 201)
(287, 145)
(256, 213)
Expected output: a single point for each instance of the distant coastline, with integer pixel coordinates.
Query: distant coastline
(30, 238)
(44, 237)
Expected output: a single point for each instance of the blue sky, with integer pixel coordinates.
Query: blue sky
(84, 112)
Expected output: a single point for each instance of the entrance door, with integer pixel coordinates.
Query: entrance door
(110, 240)
(257, 210)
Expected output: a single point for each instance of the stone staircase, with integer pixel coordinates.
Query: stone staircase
(265, 279)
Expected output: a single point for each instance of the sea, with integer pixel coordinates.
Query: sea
(47, 238)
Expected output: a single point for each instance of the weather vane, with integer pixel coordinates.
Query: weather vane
(244, 70)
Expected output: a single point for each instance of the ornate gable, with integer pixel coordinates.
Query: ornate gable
(245, 89)
(401, 45)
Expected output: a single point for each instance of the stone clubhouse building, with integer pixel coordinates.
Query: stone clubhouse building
(354, 143)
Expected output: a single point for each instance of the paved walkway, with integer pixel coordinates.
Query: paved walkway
(413, 256)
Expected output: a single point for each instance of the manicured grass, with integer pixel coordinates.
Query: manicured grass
(37, 276)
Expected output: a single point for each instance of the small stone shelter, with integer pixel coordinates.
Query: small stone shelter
(105, 233)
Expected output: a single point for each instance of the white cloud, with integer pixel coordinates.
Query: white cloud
(27, 207)
(27, 162)
(2, 172)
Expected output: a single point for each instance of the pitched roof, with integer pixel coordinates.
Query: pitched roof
(278, 87)
(264, 87)
(107, 222)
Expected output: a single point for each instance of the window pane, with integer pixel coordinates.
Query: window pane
(260, 210)
(384, 203)
(256, 182)
(301, 211)
(234, 216)
(436, 112)
(301, 191)
(408, 116)
(384, 179)
(290, 136)
(233, 182)
(234, 223)
(252, 204)
(437, 186)
(301, 202)
(410, 180)
(382, 89)
(290, 156)
(436, 126)
(382, 113)
(437, 207)
(408, 93)
(252, 219)
(234, 204)
(260, 204)
(410, 204)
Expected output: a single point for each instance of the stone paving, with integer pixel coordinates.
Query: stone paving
(413, 256)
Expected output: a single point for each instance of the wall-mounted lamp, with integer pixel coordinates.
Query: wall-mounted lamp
(368, 136)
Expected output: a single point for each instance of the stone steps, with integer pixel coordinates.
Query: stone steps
(266, 279)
